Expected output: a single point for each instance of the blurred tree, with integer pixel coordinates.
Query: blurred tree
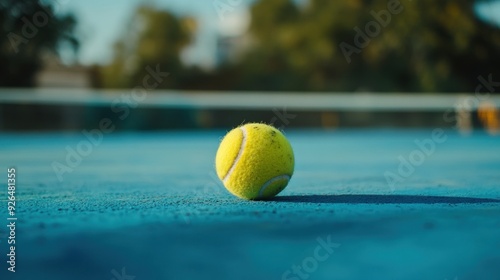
(324, 45)
(268, 64)
(368, 45)
(29, 29)
(154, 39)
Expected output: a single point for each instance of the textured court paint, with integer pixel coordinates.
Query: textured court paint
(264, 153)
(149, 203)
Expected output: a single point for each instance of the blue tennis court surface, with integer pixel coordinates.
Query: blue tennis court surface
(149, 206)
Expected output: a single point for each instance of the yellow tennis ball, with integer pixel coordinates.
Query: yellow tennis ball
(254, 161)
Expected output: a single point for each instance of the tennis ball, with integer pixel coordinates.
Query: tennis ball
(254, 161)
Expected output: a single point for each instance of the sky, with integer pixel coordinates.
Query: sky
(102, 22)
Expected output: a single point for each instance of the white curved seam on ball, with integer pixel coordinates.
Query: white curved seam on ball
(240, 152)
(270, 181)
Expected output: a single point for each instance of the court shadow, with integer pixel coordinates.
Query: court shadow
(382, 199)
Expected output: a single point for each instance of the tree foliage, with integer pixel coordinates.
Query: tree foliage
(153, 37)
(427, 46)
(29, 29)
(324, 45)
